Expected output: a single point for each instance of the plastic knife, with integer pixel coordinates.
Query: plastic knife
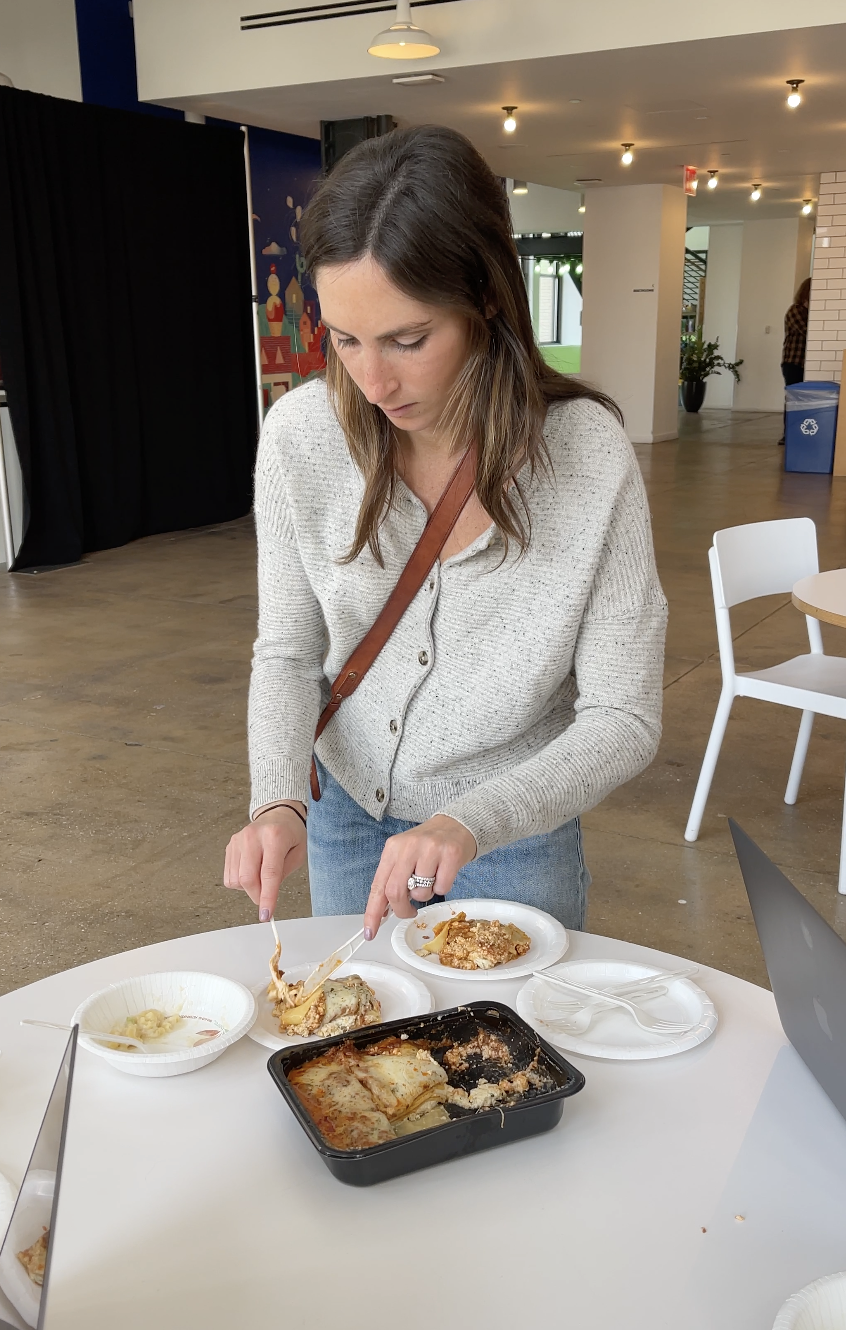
(330, 965)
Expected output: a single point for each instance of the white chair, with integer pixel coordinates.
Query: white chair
(763, 559)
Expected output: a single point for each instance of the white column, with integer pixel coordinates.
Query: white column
(767, 276)
(632, 287)
(827, 314)
(722, 298)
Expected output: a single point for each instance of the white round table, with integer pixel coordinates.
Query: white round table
(823, 595)
(197, 1201)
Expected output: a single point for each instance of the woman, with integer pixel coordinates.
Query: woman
(523, 683)
(795, 338)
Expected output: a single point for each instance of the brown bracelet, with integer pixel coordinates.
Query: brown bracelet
(294, 810)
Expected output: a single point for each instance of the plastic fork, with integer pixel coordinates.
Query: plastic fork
(99, 1035)
(641, 1017)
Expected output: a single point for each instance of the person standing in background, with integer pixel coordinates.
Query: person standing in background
(795, 337)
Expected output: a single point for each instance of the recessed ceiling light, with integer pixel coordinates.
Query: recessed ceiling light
(410, 79)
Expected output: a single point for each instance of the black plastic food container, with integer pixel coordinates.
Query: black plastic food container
(469, 1131)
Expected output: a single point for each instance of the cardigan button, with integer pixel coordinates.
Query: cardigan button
(423, 657)
(380, 795)
(394, 728)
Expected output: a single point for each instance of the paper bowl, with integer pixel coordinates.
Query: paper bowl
(207, 999)
(818, 1306)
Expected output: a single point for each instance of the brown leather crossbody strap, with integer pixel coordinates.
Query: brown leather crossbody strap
(423, 558)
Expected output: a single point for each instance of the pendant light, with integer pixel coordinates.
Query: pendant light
(756, 193)
(509, 124)
(794, 97)
(713, 180)
(628, 156)
(403, 40)
(807, 207)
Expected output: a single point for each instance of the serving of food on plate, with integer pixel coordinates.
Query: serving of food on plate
(476, 944)
(336, 1006)
(480, 940)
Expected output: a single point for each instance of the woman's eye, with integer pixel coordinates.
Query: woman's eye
(410, 346)
(343, 342)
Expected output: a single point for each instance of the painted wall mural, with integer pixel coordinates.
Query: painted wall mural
(284, 168)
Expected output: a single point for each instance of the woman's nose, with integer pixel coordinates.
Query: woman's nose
(378, 383)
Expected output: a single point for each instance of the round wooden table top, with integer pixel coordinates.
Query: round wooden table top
(823, 595)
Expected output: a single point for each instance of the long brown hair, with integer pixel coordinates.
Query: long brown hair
(803, 292)
(428, 209)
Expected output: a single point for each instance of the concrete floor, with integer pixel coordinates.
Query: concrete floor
(123, 685)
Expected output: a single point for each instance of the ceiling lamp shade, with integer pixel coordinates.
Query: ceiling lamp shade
(403, 40)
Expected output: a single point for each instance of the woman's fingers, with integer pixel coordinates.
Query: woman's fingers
(259, 857)
(275, 851)
(438, 848)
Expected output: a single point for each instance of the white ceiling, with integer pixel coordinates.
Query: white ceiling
(718, 103)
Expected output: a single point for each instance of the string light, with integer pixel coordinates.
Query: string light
(808, 207)
(756, 193)
(628, 156)
(509, 124)
(794, 96)
(712, 179)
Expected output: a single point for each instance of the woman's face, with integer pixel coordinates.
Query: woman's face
(404, 355)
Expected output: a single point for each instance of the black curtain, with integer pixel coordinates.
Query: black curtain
(126, 336)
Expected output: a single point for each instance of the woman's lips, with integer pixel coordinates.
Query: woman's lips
(399, 410)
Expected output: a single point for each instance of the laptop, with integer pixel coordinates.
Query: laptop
(806, 962)
(27, 1250)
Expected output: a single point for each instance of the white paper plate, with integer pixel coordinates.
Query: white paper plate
(549, 938)
(400, 994)
(31, 1217)
(614, 1034)
(818, 1306)
(205, 1001)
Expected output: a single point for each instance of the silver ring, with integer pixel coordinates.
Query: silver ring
(416, 881)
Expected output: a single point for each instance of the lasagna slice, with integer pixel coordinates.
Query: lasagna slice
(476, 944)
(34, 1258)
(335, 1007)
(363, 1097)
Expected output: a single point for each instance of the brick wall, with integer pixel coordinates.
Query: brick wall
(827, 314)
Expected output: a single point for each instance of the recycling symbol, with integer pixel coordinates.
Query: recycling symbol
(809, 426)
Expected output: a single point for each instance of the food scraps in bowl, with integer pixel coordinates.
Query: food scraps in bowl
(335, 1007)
(475, 944)
(146, 1026)
(360, 1097)
(166, 1033)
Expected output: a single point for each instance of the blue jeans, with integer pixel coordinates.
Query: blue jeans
(345, 845)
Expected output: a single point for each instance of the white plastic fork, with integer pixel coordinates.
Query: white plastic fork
(642, 1018)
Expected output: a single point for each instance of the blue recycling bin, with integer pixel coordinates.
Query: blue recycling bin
(811, 423)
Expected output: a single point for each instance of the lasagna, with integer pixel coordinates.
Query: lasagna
(360, 1097)
(476, 944)
(335, 1007)
(34, 1258)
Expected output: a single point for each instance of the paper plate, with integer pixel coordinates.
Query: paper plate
(818, 1306)
(400, 994)
(614, 1034)
(548, 937)
(205, 1001)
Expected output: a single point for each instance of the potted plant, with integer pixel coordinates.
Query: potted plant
(700, 359)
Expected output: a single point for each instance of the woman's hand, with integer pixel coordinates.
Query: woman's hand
(265, 852)
(437, 848)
